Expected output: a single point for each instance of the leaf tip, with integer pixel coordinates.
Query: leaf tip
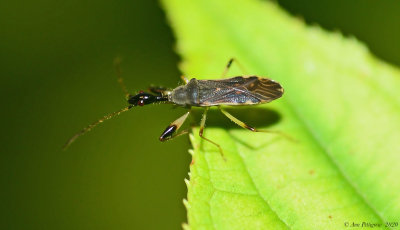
(191, 137)
(187, 182)
(185, 226)
(186, 203)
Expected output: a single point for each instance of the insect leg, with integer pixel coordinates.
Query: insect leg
(185, 79)
(168, 133)
(237, 121)
(157, 89)
(246, 126)
(202, 125)
(117, 66)
(183, 132)
(229, 66)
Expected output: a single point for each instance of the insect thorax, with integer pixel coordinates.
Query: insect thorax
(186, 95)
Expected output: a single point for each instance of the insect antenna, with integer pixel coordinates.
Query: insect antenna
(117, 66)
(94, 124)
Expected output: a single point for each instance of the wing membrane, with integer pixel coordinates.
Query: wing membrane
(238, 91)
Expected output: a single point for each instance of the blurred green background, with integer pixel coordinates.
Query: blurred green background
(56, 63)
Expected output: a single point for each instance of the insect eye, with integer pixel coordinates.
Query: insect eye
(141, 103)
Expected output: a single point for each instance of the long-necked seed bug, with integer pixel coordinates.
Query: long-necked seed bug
(241, 90)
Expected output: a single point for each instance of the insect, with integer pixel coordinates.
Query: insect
(241, 90)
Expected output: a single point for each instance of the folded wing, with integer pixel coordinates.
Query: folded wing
(238, 91)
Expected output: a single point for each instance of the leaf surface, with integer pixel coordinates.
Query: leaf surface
(341, 105)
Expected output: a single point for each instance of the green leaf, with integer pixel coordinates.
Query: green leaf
(341, 104)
